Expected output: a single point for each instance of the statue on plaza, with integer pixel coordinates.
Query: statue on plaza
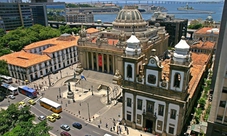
(69, 87)
(117, 77)
(70, 94)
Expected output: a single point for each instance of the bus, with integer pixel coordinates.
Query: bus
(30, 92)
(6, 79)
(51, 105)
(8, 89)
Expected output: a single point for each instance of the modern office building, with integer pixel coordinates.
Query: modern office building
(44, 11)
(39, 13)
(41, 58)
(217, 122)
(2, 25)
(159, 95)
(102, 52)
(175, 27)
(80, 17)
(16, 15)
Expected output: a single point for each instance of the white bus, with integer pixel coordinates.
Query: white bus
(51, 105)
(8, 89)
(6, 79)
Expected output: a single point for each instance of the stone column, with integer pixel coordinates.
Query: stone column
(87, 59)
(113, 63)
(103, 63)
(92, 61)
(97, 61)
(108, 63)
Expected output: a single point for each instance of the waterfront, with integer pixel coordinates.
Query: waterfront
(217, 8)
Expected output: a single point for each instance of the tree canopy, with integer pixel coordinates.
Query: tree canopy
(17, 121)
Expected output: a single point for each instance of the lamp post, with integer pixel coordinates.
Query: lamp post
(108, 100)
(60, 92)
(49, 78)
(88, 111)
(92, 90)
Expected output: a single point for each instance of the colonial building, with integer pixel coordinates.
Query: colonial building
(159, 95)
(42, 58)
(103, 52)
(207, 34)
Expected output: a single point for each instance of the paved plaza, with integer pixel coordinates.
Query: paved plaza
(90, 103)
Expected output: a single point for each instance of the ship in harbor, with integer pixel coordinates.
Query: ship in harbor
(185, 8)
(190, 10)
(150, 8)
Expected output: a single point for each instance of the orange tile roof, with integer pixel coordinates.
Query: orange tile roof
(54, 41)
(203, 45)
(203, 30)
(24, 59)
(92, 30)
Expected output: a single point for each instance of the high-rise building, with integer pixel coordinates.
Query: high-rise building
(217, 122)
(38, 1)
(15, 15)
(175, 27)
(2, 25)
(39, 13)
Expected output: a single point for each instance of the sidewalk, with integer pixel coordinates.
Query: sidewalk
(106, 114)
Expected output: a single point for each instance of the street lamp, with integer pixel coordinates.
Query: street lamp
(49, 78)
(88, 111)
(60, 92)
(92, 90)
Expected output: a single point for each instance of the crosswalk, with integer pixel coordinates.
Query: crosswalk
(27, 98)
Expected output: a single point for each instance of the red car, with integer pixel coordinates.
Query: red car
(64, 133)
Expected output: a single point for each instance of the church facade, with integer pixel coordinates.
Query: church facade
(103, 52)
(159, 95)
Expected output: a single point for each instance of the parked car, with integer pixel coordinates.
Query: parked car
(22, 104)
(55, 115)
(42, 117)
(65, 127)
(77, 125)
(64, 133)
(32, 102)
(51, 118)
(11, 97)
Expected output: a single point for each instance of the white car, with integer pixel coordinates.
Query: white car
(11, 97)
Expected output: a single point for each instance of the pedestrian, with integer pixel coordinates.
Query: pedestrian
(100, 121)
(111, 129)
(125, 126)
(57, 96)
(66, 105)
(114, 128)
(98, 126)
(79, 112)
(106, 125)
(120, 129)
(127, 131)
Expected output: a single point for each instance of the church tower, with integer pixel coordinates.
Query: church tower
(180, 64)
(132, 59)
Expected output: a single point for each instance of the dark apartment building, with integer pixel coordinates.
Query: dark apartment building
(175, 27)
(39, 13)
(16, 15)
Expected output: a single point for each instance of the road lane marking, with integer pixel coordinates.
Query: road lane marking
(39, 110)
(38, 99)
(96, 132)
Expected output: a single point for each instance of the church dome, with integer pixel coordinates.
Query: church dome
(128, 17)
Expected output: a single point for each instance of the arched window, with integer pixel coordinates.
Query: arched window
(177, 79)
(129, 71)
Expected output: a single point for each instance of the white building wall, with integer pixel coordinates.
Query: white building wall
(129, 109)
(173, 121)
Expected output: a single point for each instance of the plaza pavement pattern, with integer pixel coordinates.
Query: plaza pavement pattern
(103, 115)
